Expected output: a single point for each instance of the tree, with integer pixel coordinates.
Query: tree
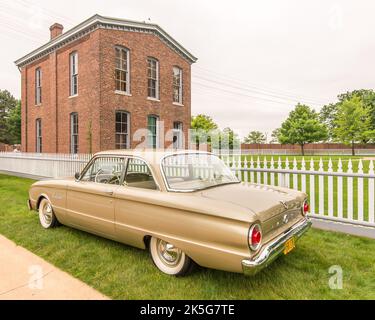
(203, 125)
(275, 136)
(255, 137)
(226, 139)
(301, 127)
(328, 114)
(353, 122)
(7, 104)
(14, 124)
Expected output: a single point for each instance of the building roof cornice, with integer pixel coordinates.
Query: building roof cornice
(97, 22)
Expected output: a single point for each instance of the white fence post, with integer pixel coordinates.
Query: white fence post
(251, 167)
(371, 214)
(245, 173)
(360, 192)
(340, 206)
(312, 188)
(286, 181)
(303, 176)
(280, 176)
(295, 176)
(265, 173)
(330, 189)
(272, 174)
(321, 188)
(350, 191)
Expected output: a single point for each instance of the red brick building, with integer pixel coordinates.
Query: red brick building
(92, 87)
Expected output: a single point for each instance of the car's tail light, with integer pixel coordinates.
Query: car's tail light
(255, 237)
(305, 207)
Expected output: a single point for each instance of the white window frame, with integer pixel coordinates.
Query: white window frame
(157, 82)
(73, 66)
(179, 85)
(38, 135)
(127, 70)
(38, 86)
(74, 134)
(127, 133)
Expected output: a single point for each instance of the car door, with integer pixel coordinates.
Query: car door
(135, 207)
(90, 199)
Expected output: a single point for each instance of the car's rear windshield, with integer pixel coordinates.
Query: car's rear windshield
(195, 171)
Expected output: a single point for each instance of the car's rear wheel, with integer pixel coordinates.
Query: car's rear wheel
(170, 259)
(46, 216)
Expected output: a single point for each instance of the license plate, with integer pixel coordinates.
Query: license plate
(289, 245)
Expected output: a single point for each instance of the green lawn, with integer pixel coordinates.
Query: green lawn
(122, 272)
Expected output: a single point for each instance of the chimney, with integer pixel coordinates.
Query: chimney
(56, 29)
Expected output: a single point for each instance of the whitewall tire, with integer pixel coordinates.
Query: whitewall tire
(169, 259)
(46, 216)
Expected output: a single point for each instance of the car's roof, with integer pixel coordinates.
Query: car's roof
(150, 155)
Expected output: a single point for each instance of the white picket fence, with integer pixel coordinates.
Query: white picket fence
(43, 165)
(335, 191)
(339, 195)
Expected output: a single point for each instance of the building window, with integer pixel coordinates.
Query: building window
(153, 78)
(153, 128)
(122, 70)
(38, 86)
(73, 73)
(38, 133)
(74, 132)
(122, 130)
(177, 85)
(177, 135)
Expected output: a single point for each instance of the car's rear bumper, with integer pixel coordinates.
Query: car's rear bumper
(274, 249)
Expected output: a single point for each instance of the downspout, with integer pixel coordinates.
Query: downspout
(56, 108)
(25, 99)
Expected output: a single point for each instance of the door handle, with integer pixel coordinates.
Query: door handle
(109, 192)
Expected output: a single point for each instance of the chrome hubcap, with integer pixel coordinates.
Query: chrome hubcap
(47, 213)
(168, 253)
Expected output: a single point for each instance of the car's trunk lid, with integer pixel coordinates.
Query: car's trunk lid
(276, 208)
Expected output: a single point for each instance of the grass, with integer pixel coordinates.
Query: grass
(123, 272)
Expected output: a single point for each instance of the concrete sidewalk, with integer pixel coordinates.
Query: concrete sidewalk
(23, 275)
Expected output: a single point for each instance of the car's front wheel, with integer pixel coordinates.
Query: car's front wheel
(46, 216)
(170, 259)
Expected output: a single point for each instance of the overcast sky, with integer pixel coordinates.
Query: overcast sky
(256, 59)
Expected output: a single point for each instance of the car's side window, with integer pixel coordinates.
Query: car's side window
(107, 170)
(138, 175)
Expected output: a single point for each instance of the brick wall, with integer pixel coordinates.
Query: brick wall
(97, 101)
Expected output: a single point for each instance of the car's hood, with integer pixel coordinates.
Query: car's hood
(53, 181)
(263, 200)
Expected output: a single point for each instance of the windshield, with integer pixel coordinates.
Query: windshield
(195, 171)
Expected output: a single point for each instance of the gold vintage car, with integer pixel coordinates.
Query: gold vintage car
(185, 207)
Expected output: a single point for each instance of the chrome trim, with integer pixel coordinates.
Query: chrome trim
(249, 236)
(274, 249)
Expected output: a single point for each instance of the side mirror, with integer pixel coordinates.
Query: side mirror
(77, 175)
